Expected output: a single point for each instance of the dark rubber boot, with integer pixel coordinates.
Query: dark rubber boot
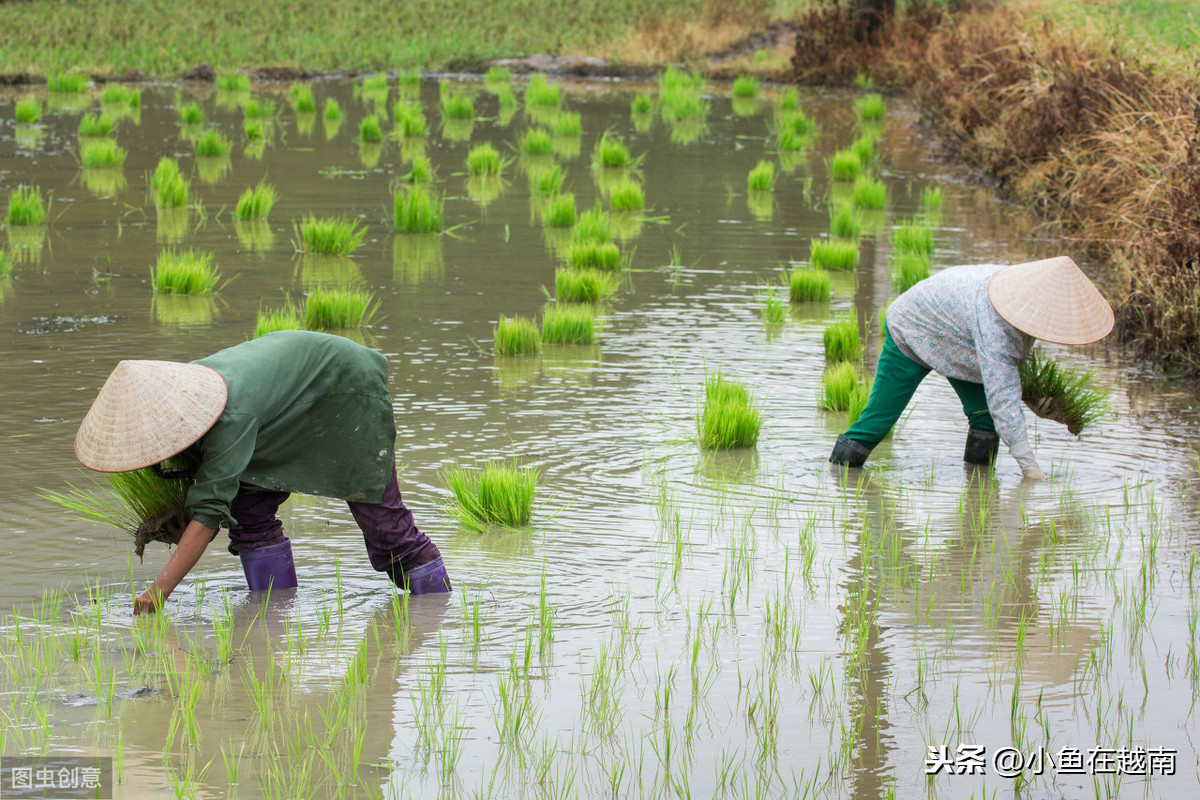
(429, 578)
(849, 453)
(982, 446)
(270, 567)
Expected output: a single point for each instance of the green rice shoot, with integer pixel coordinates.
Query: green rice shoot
(789, 99)
(774, 311)
(841, 339)
(870, 107)
(332, 111)
(762, 177)
(213, 144)
(931, 198)
(497, 74)
(912, 237)
(26, 206)
(864, 149)
(338, 309)
(809, 285)
(730, 417)
(568, 324)
(594, 226)
(517, 336)
(869, 193)
(484, 159)
(844, 221)
(584, 285)
(95, 125)
(745, 86)
(409, 119)
(858, 402)
(101, 154)
(28, 110)
(1064, 395)
(837, 385)
(167, 184)
(420, 173)
(233, 82)
(498, 494)
(592, 255)
(189, 272)
(279, 319)
(548, 183)
(67, 83)
(369, 130)
(541, 93)
(331, 236)
(561, 213)
(536, 142)
(256, 202)
(302, 99)
(457, 106)
(418, 210)
(6, 263)
(834, 254)
(611, 153)
(626, 195)
(567, 123)
(909, 269)
(191, 114)
(641, 104)
(845, 166)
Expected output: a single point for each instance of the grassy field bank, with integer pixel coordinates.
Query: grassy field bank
(1086, 113)
(162, 41)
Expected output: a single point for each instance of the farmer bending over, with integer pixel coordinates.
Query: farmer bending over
(975, 325)
(291, 411)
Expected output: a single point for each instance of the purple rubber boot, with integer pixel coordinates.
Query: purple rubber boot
(270, 567)
(429, 578)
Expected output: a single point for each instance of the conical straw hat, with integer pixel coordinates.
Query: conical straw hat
(148, 411)
(1051, 300)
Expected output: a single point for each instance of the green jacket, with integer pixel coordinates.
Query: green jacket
(307, 412)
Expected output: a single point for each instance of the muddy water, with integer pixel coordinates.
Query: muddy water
(675, 621)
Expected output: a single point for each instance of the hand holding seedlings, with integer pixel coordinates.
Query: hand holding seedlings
(287, 411)
(976, 326)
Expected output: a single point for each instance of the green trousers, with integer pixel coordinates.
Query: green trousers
(896, 378)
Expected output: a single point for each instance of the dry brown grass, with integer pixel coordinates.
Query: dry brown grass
(683, 37)
(1106, 149)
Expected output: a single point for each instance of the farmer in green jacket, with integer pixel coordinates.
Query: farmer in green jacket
(292, 411)
(975, 325)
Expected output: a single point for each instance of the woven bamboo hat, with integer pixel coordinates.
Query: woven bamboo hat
(148, 411)
(1051, 300)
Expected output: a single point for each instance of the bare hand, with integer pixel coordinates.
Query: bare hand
(148, 603)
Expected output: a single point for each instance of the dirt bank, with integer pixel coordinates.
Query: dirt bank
(1105, 149)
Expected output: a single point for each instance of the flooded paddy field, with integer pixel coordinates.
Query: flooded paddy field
(676, 621)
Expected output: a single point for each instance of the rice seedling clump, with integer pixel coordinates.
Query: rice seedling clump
(789, 99)
(561, 213)
(190, 272)
(26, 207)
(537, 142)
(484, 160)
(516, 337)
(167, 184)
(641, 104)
(858, 402)
(931, 197)
(498, 494)
(333, 236)
(410, 120)
(101, 154)
(844, 222)
(1061, 394)
(745, 86)
(338, 309)
(497, 74)
(869, 193)
(762, 177)
(626, 195)
(773, 309)
(592, 255)
(332, 110)
(912, 237)
(864, 148)
(567, 123)
(808, 285)
(870, 107)
(95, 125)
(67, 83)
(835, 254)
(568, 324)
(541, 93)
(837, 384)
(302, 99)
(845, 165)
(116, 94)
(797, 122)
(594, 226)
(457, 106)
(257, 201)
(549, 182)
(191, 114)
(730, 417)
(28, 110)
(284, 319)
(841, 339)
(421, 171)
(370, 131)
(909, 269)
(233, 82)
(418, 210)
(611, 153)
(584, 285)
(213, 144)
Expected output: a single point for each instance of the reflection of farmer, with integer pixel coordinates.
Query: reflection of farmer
(975, 325)
(291, 411)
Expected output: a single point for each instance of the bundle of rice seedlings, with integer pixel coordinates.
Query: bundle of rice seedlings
(870, 107)
(338, 309)
(789, 99)
(548, 183)
(611, 153)
(95, 125)
(834, 254)
(213, 144)
(584, 285)
(67, 83)
(421, 171)
(1061, 394)
(568, 324)
(844, 221)
(484, 160)
(864, 148)
(191, 114)
(541, 93)
(745, 86)
(798, 123)
(457, 106)
(536, 142)
(142, 503)
(301, 97)
(762, 177)
(191, 272)
(498, 494)
(497, 74)
(912, 237)
(626, 195)
(591, 255)
(167, 184)
(858, 402)
(909, 269)
(808, 285)
(26, 207)
(418, 210)
(567, 123)
(773, 310)
(332, 236)
(869, 192)
(730, 417)
(409, 119)
(561, 213)
(594, 226)
(841, 339)
(845, 165)
(931, 198)
(28, 110)
(516, 337)
(281, 319)
(837, 385)
(257, 201)
(641, 104)
(369, 130)
(332, 110)
(101, 154)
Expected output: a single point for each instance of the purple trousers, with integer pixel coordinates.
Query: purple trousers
(394, 542)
